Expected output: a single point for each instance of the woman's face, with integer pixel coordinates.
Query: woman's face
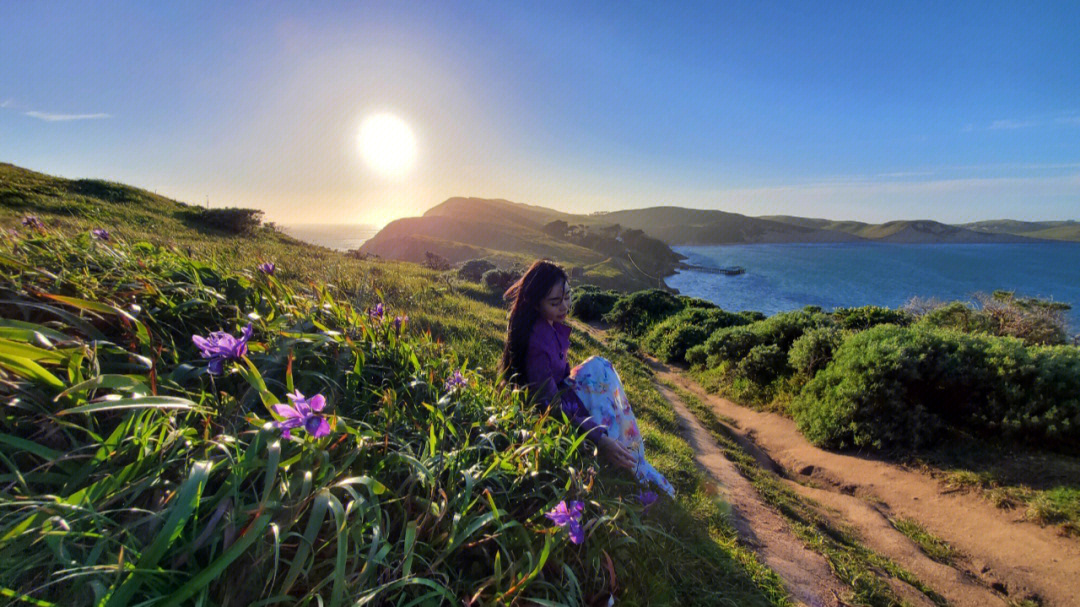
(556, 303)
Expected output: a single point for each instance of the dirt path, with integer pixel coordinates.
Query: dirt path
(999, 552)
(805, 573)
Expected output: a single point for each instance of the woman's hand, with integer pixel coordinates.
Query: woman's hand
(616, 454)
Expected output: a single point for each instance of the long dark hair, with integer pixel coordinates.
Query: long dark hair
(525, 295)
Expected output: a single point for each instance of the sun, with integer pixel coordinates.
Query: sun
(387, 144)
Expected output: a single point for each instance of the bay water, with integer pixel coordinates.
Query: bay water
(781, 277)
(340, 237)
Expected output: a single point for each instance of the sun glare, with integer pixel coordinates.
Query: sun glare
(387, 144)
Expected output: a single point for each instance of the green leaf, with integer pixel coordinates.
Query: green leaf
(141, 402)
(29, 369)
(186, 501)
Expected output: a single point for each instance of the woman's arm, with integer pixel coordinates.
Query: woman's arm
(540, 369)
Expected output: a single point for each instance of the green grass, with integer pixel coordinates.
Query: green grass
(1046, 487)
(854, 564)
(931, 545)
(130, 472)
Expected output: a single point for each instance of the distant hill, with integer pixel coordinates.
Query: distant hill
(1053, 230)
(514, 234)
(921, 231)
(680, 226)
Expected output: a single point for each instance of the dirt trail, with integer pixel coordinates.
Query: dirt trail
(999, 550)
(805, 573)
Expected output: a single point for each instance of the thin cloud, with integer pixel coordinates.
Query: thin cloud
(49, 117)
(7, 102)
(999, 125)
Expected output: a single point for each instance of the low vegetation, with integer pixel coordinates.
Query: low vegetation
(140, 462)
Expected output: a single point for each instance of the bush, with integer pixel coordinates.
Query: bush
(671, 338)
(697, 356)
(232, 220)
(958, 316)
(733, 343)
(902, 387)
(862, 318)
(635, 312)
(762, 364)
(499, 280)
(474, 269)
(589, 303)
(811, 352)
(434, 261)
(1036, 321)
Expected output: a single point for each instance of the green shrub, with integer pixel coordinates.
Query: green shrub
(862, 318)
(499, 280)
(232, 220)
(589, 303)
(811, 352)
(1036, 321)
(474, 269)
(762, 364)
(958, 316)
(733, 343)
(634, 313)
(752, 315)
(902, 387)
(671, 338)
(697, 356)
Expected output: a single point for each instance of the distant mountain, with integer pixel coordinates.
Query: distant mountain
(1053, 230)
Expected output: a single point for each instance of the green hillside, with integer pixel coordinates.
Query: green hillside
(513, 235)
(134, 475)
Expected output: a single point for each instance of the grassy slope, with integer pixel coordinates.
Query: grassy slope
(697, 561)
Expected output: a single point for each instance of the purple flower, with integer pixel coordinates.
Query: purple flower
(220, 346)
(376, 312)
(457, 380)
(647, 498)
(100, 233)
(267, 268)
(569, 517)
(31, 221)
(303, 414)
(398, 321)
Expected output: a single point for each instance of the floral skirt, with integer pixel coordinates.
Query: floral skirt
(599, 387)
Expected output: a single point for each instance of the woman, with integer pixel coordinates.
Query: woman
(592, 395)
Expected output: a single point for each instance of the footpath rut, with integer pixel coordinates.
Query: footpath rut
(1002, 557)
(806, 574)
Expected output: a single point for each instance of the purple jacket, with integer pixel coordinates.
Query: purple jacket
(547, 368)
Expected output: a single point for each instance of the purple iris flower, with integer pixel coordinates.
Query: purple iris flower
(220, 346)
(398, 321)
(647, 498)
(303, 414)
(267, 268)
(376, 312)
(31, 221)
(457, 380)
(100, 233)
(569, 517)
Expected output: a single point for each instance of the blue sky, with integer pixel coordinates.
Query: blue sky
(863, 110)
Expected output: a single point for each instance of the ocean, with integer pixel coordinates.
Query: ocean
(781, 277)
(341, 237)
